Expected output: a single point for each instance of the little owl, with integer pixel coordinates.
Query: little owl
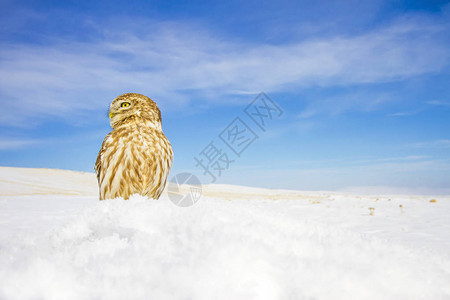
(136, 156)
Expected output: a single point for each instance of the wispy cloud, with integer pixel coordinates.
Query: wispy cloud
(438, 103)
(422, 108)
(13, 144)
(10, 143)
(344, 103)
(432, 144)
(405, 113)
(177, 63)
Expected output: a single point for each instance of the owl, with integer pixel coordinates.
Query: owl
(136, 156)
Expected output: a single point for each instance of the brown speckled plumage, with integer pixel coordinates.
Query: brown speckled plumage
(136, 157)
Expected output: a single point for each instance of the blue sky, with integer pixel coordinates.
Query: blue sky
(363, 85)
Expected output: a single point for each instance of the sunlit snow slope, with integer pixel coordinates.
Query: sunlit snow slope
(57, 241)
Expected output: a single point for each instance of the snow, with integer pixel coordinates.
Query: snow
(57, 241)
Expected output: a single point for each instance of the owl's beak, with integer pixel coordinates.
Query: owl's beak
(111, 115)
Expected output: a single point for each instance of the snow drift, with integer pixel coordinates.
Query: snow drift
(301, 245)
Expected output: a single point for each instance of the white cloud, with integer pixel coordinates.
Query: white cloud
(432, 144)
(350, 102)
(12, 144)
(438, 103)
(177, 64)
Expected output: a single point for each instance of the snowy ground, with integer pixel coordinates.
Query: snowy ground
(58, 242)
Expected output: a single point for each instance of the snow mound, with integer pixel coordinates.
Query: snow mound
(33, 181)
(216, 249)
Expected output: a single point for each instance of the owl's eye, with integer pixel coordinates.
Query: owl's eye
(125, 104)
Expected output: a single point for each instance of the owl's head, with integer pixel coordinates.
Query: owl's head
(134, 107)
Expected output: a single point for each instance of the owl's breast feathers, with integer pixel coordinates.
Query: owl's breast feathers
(133, 159)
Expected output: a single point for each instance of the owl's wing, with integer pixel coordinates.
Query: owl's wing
(98, 162)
